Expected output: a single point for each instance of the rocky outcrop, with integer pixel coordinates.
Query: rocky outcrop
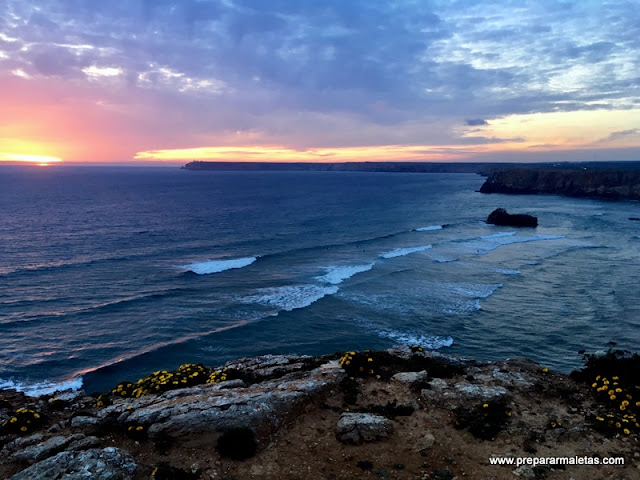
(98, 464)
(618, 184)
(426, 414)
(500, 217)
(199, 415)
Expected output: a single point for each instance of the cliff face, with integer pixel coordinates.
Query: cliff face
(575, 183)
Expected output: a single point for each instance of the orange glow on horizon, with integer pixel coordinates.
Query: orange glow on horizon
(41, 160)
(278, 153)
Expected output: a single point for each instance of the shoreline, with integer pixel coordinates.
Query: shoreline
(399, 413)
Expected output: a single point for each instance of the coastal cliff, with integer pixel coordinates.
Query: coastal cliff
(611, 184)
(404, 413)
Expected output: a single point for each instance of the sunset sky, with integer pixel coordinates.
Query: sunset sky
(149, 81)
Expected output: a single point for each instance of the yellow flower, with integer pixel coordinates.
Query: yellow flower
(36, 415)
(618, 425)
(615, 378)
(610, 392)
(486, 405)
(23, 429)
(626, 431)
(594, 385)
(598, 377)
(612, 397)
(14, 419)
(139, 429)
(600, 419)
(545, 370)
(625, 403)
(622, 407)
(618, 390)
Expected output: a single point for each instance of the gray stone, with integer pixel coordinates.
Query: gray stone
(474, 392)
(524, 471)
(40, 451)
(237, 383)
(362, 427)
(426, 442)
(24, 441)
(69, 395)
(107, 464)
(85, 421)
(438, 384)
(84, 443)
(410, 378)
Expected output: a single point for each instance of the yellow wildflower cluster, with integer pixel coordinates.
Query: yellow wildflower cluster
(416, 349)
(23, 421)
(217, 376)
(136, 431)
(161, 381)
(358, 364)
(618, 398)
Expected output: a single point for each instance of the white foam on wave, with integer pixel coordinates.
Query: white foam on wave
(37, 389)
(336, 275)
(499, 235)
(429, 342)
(473, 290)
(290, 297)
(484, 245)
(401, 252)
(508, 271)
(215, 266)
(430, 228)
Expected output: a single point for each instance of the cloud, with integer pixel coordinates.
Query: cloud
(621, 134)
(322, 74)
(475, 122)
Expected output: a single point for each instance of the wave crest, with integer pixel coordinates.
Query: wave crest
(216, 266)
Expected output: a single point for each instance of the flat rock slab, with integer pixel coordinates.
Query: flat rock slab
(202, 413)
(362, 427)
(97, 464)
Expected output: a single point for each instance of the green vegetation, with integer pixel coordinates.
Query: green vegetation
(23, 421)
(615, 381)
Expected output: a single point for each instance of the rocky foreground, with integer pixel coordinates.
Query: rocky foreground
(404, 413)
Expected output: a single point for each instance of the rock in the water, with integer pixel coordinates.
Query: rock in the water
(107, 464)
(362, 427)
(500, 217)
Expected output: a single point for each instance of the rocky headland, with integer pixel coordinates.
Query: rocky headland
(610, 184)
(403, 413)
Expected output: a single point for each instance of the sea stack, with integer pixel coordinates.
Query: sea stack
(500, 217)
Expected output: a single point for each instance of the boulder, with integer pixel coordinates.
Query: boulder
(500, 217)
(362, 427)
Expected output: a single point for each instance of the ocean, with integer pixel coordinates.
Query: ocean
(109, 273)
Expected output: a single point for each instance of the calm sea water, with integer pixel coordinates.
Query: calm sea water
(107, 274)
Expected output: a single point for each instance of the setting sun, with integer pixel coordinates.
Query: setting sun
(41, 160)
